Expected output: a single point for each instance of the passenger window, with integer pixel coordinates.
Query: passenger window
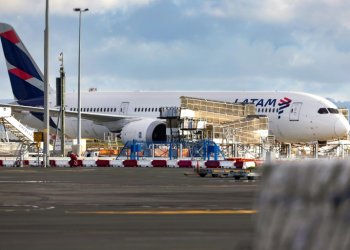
(323, 111)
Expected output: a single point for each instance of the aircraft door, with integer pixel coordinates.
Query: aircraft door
(123, 110)
(295, 111)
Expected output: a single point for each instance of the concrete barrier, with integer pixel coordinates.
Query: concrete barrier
(184, 164)
(227, 164)
(212, 164)
(159, 163)
(61, 162)
(8, 163)
(111, 162)
(102, 163)
(89, 163)
(116, 163)
(130, 163)
(172, 163)
(144, 163)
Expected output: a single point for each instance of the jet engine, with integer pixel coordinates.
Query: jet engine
(144, 130)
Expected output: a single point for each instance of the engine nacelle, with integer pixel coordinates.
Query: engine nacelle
(144, 130)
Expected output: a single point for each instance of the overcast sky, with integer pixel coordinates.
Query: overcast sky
(300, 45)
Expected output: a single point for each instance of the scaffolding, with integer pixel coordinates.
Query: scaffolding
(224, 122)
(216, 112)
(227, 124)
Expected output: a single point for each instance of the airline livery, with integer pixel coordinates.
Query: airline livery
(293, 116)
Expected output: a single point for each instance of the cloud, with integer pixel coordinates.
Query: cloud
(64, 7)
(301, 45)
(335, 12)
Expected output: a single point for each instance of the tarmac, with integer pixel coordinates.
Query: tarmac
(124, 208)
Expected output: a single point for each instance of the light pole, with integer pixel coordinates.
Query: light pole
(79, 98)
(46, 90)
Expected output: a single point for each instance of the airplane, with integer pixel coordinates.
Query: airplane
(293, 116)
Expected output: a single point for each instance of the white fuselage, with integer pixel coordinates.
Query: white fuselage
(299, 120)
(293, 116)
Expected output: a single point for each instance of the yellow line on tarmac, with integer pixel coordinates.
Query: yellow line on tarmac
(165, 212)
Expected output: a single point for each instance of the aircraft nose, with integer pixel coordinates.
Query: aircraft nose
(341, 127)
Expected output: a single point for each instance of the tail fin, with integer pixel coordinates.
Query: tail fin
(25, 76)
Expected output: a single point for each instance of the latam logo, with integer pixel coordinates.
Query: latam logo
(282, 105)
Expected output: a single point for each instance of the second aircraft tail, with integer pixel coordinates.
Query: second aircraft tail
(25, 76)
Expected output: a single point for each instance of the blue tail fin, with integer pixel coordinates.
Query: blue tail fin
(25, 76)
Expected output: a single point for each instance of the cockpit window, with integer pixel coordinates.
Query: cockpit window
(323, 111)
(333, 111)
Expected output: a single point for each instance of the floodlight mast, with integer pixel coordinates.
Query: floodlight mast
(79, 95)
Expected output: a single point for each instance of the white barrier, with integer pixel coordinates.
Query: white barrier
(172, 163)
(92, 162)
(34, 162)
(227, 164)
(116, 163)
(62, 162)
(8, 163)
(89, 163)
(304, 206)
(144, 163)
(199, 164)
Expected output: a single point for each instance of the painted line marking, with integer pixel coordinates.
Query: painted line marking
(165, 212)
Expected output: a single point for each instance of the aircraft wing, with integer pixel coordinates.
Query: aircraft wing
(95, 117)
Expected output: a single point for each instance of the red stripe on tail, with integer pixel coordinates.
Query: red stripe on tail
(20, 73)
(11, 36)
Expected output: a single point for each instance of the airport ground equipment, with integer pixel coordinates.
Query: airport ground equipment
(229, 125)
(237, 174)
(204, 149)
(233, 168)
(16, 128)
(21, 132)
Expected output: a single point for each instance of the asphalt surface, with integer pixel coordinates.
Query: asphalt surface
(124, 208)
